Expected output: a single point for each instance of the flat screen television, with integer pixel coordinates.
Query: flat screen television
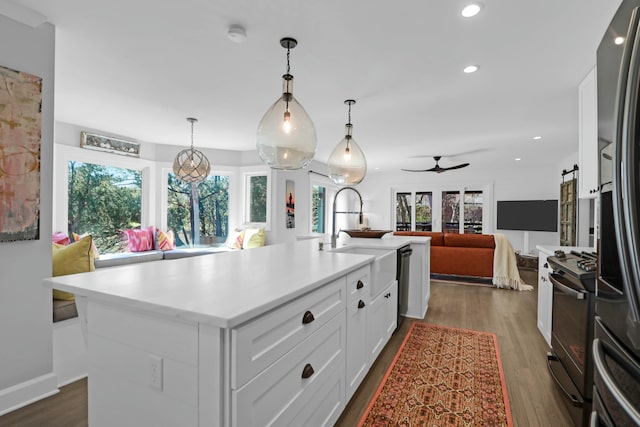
(528, 215)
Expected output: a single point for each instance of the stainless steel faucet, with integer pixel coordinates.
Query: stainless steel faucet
(334, 235)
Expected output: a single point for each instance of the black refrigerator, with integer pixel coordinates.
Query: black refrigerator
(616, 347)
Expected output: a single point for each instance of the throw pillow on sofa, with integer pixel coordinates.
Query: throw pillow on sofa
(139, 239)
(74, 258)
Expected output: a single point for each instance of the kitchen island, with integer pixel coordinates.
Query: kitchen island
(245, 338)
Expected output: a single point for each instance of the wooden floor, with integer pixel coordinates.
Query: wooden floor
(511, 315)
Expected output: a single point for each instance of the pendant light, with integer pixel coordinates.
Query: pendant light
(347, 164)
(190, 164)
(286, 135)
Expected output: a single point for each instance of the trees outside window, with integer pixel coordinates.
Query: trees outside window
(198, 213)
(424, 217)
(103, 201)
(445, 211)
(257, 198)
(403, 211)
(318, 208)
(473, 212)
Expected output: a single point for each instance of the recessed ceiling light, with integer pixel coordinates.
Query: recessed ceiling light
(471, 10)
(518, 159)
(237, 33)
(470, 69)
(618, 40)
(537, 137)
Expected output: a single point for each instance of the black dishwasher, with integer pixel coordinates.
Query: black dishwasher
(402, 276)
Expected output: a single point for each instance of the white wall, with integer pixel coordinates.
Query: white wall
(511, 182)
(25, 304)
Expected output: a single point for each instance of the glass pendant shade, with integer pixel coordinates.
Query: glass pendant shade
(191, 165)
(286, 135)
(347, 164)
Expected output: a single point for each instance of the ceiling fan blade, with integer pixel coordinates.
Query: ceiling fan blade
(416, 170)
(460, 166)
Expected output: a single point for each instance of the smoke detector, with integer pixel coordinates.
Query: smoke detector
(237, 33)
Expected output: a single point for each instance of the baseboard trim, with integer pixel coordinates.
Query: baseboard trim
(26, 393)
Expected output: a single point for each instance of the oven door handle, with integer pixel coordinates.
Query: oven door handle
(566, 289)
(608, 380)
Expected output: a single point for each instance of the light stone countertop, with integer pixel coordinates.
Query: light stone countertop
(550, 250)
(224, 289)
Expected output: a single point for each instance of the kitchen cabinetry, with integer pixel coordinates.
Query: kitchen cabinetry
(358, 298)
(588, 137)
(545, 287)
(545, 296)
(382, 319)
(287, 349)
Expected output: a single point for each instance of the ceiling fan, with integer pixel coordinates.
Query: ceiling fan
(437, 168)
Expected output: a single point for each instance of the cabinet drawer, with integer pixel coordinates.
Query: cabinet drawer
(261, 342)
(358, 284)
(280, 394)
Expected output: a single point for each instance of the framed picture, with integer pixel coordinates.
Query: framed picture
(109, 144)
(291, 203)
(20, 134)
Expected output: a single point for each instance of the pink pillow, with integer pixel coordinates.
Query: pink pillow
(139, 240)
(60, 238)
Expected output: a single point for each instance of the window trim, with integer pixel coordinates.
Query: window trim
(246, 181)
(63, 154)
(165, 168)
(436, 190)
(331, 190)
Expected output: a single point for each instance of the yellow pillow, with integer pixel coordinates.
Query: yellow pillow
(74, 258)
(94, 249)
(253, 238)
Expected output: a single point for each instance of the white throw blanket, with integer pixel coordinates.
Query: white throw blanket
(505, 266)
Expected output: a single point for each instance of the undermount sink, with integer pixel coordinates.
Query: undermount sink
(383, 269)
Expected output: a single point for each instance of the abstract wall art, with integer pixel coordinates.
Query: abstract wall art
(20, 134)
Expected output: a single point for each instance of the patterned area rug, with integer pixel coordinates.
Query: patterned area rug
(442, 377)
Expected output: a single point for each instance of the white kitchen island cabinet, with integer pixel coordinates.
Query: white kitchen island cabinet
(249, 338)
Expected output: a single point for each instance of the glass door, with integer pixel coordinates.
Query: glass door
(451, 211)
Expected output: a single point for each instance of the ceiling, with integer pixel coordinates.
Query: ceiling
(139, 68)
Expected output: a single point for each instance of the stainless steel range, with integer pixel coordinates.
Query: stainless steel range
(570, 361)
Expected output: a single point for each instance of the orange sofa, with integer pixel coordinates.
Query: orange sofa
(459, 254)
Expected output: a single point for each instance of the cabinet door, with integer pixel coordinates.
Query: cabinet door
(357, 353)
(382, 317)
(588, 137)
(545, 298)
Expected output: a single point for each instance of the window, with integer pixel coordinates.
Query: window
(257, 194)
(451, 211)
(473, 212)
(210, 199)
(318, 209)
(102, 201)
(403, 211)
(424, 219)
(442, 210)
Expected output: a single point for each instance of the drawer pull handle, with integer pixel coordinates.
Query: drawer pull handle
(359, 285)
(361, 304)
(546, 265)
(307, 371)
(308, 318)
(387, 295)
